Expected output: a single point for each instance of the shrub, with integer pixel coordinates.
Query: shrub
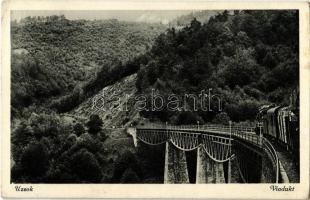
(130, 176)
(78, 129)
(188, 118)
(126, 161)
(94, 124)
(221, 118)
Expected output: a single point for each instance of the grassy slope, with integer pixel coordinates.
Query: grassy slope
(113, 100)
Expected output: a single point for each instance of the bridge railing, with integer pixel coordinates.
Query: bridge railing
(273, 156)
(244, 133)
(215, 127)
(249, 137)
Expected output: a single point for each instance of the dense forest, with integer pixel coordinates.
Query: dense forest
(51, 56)
(46, 149)
(248, 58)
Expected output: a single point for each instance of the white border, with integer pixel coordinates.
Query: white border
(246, 191)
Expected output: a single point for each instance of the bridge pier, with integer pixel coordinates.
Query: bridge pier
(229, 171)
(208, 171)
(233, 175)
(175, 165)
(267, 171)
(249, 163)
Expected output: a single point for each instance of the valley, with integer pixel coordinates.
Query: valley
(74, 85)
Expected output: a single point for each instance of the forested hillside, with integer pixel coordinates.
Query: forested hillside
(249, 58)
(52, 55)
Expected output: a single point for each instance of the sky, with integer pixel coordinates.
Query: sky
(150, 16)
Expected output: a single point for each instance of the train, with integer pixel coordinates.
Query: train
(280, 125)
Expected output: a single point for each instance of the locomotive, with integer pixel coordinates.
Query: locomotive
(280, 125)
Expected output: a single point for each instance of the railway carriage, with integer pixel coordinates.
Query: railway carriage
(272, 122)
(284, 135)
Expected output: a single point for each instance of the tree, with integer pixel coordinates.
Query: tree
(94, 124)
(188, 118)
(241, 69)
(126, 161)
(78, 129)
(221, 118)
(269, 60)
(35, 160)
(195, 24)
(85, 165)
(22, 134)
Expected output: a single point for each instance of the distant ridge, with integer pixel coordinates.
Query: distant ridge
(202, 16)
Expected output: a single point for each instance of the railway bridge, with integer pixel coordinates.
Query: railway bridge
(217, 148)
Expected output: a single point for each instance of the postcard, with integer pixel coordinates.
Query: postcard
(155, 99)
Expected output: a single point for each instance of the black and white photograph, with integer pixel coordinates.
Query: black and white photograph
(140, 99)
(155, 96)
